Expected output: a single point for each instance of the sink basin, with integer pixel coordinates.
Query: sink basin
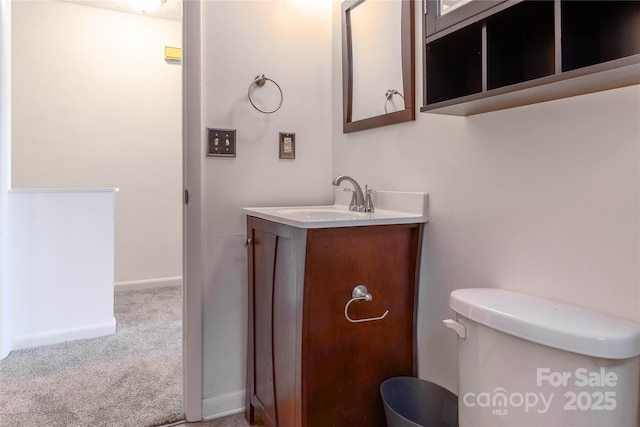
(328, 213)
(392, 207)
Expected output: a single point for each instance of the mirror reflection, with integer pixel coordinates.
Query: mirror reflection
(377, 58)
(378, 63)
(446, 6)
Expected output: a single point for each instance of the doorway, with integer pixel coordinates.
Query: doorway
(90, 119)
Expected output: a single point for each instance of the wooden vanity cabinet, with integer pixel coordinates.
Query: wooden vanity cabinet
(307, 365)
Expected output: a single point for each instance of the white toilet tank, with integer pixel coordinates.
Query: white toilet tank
(529, 361)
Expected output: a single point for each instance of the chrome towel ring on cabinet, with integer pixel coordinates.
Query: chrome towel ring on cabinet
(388, 95)
(260, 81)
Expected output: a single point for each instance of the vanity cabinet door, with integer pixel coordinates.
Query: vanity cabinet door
(273, 325)
(344, 363)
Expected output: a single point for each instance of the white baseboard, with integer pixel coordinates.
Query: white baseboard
(222, 406)
(134, 285)
(55, 337)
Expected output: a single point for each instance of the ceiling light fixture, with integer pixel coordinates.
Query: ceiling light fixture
(145, 6)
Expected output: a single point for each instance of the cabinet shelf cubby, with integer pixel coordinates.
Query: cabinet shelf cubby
(523, 52)
(595, 32)
(453, 76)
(520, 44)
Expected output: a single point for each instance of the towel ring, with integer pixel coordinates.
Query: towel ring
(388, 95)
(260, 81)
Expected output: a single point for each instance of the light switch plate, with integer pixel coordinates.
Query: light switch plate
(287, 145)
(221, 142)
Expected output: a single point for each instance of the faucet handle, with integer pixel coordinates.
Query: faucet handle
(368, 203)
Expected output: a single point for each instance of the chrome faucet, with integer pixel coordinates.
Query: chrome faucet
(358, 202)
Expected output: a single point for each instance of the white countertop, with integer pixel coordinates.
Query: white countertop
(391, 207)
(65, 190)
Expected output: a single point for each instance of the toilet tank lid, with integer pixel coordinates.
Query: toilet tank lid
(551, 323)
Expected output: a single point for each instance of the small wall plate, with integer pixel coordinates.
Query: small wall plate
(221, 143)
(287, 145)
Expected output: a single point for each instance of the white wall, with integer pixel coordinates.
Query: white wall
(61, 258)
(96, 105)
(289, 41)
(542, 199)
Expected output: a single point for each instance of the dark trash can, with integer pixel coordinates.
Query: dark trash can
(412, 402)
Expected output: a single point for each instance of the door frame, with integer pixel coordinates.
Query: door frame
(193, 271)
(5, 171)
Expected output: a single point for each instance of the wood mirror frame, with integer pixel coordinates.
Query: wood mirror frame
(408, 71)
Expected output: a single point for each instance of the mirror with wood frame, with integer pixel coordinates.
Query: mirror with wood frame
(378, 63)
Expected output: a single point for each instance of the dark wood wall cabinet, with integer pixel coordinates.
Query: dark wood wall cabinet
(491, 55)
(307, 365)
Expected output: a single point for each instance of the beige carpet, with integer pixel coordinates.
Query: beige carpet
(130, 379)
